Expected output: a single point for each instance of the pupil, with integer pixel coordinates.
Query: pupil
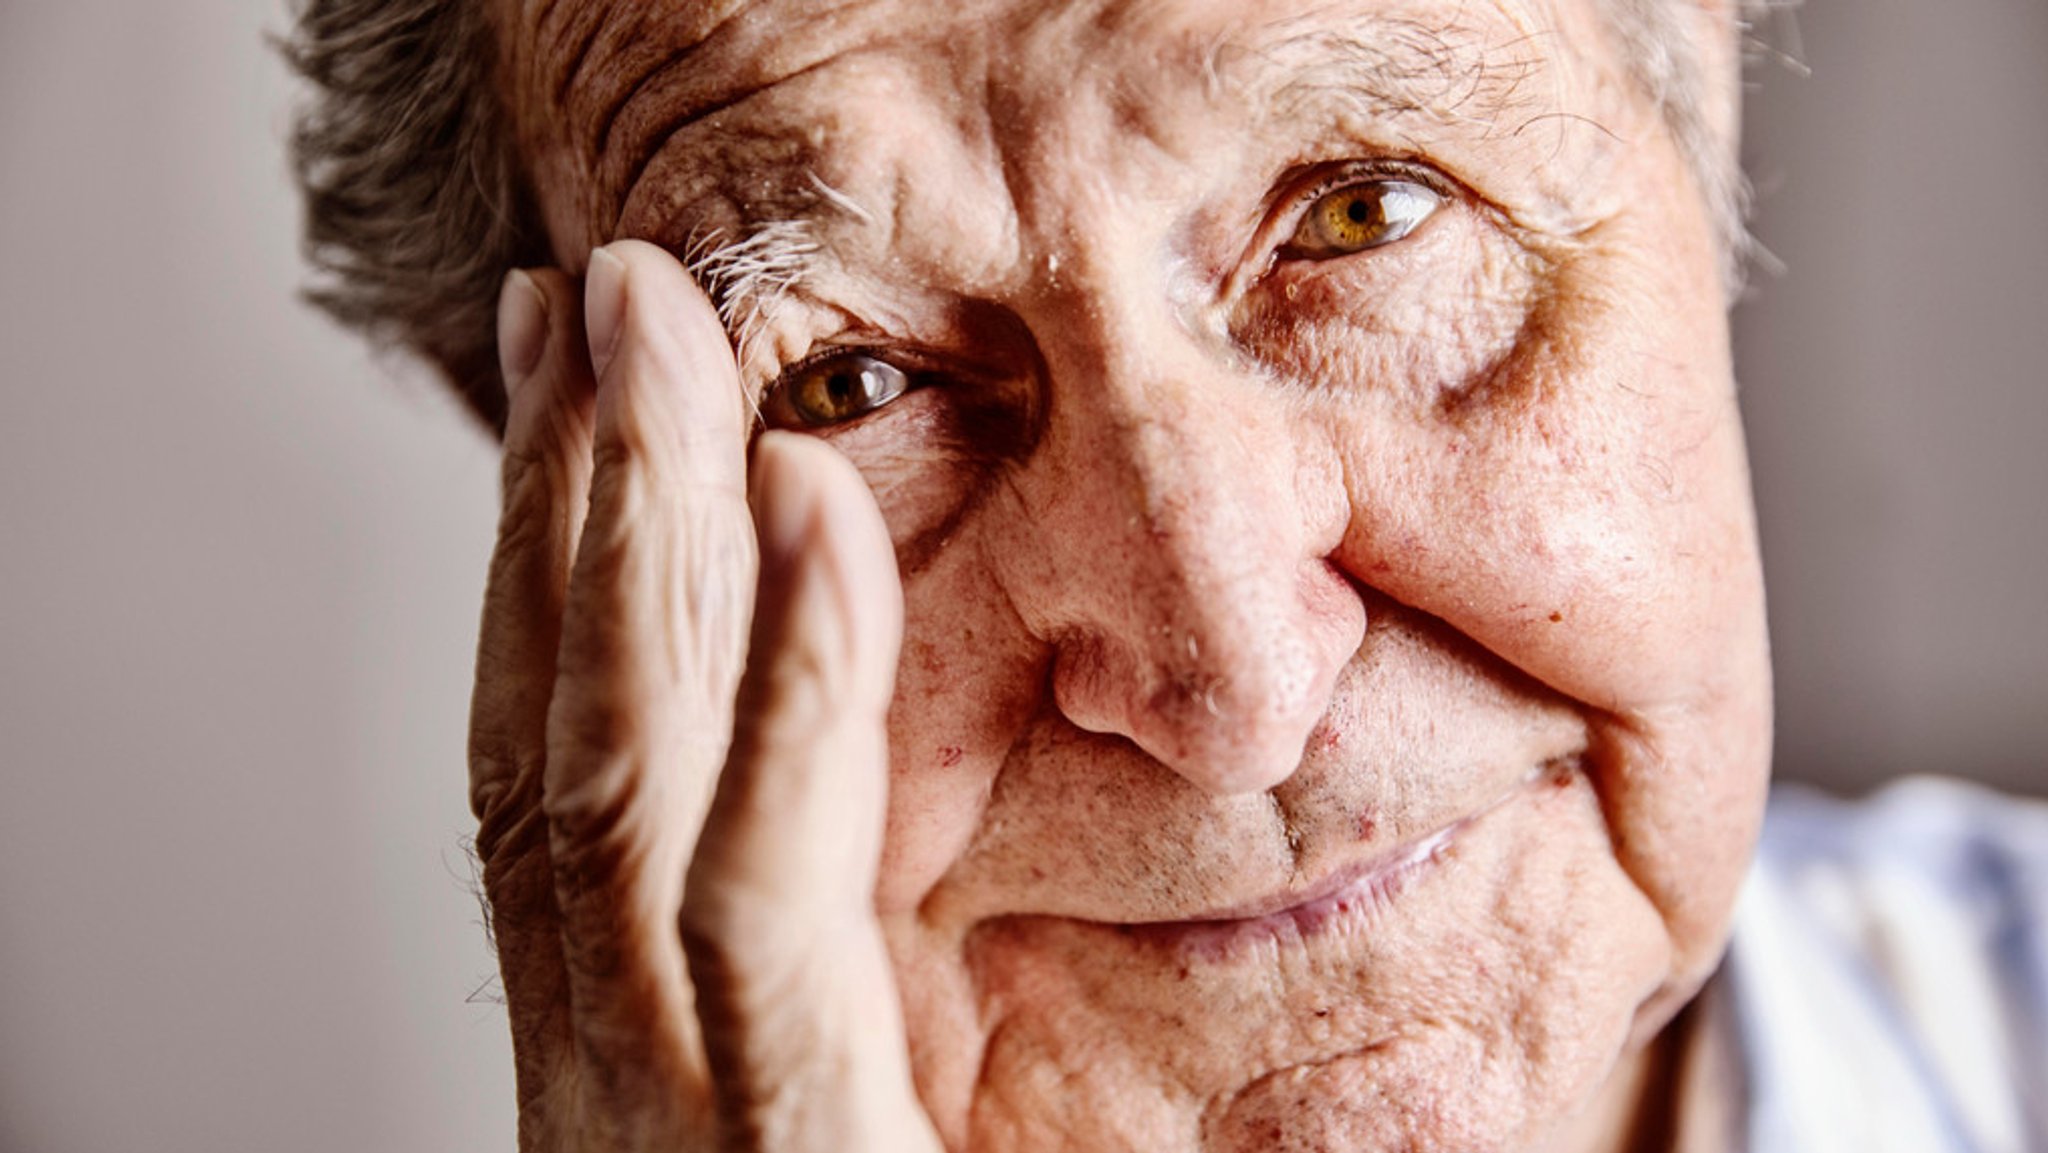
(840, 387)
(1359, 211)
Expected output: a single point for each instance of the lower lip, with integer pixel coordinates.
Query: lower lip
(1356, 903)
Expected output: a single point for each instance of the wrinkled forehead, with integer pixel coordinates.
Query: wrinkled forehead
(606, 85)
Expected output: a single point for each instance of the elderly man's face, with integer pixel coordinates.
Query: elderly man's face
(1333, 713)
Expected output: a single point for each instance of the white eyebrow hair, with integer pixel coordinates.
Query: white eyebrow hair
(839, 200)
(748, 277)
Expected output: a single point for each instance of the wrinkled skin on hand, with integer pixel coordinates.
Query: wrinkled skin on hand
(666, 879)
(1332, 705)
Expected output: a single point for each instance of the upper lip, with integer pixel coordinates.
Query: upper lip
(1362, 871)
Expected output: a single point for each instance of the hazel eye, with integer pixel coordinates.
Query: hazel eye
(1359, 216)
(834, 390)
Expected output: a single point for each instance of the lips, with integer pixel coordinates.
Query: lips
(1351, 882)
(1349, 895)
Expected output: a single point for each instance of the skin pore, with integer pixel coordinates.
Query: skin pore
(1333, 708)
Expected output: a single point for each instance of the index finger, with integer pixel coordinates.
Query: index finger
(654, 635)
(653, 643)
(665, 370)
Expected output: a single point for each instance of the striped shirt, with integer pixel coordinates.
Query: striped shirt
(1887, 986)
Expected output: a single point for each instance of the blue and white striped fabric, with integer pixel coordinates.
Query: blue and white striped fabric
(1888, 981)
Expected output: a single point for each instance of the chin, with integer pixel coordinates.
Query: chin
(1474, 990)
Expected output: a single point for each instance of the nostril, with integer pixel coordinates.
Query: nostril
(1226, 736)
(1088, 679)
(1225, 733)
(1216, 661)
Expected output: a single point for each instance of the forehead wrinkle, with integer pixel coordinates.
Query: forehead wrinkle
(606, 61)
(560, 41)
(662, 75)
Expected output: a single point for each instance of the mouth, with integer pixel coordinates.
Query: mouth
(1348, 897)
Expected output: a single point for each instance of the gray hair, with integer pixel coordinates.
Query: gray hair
(1669, 64)
(417, 201)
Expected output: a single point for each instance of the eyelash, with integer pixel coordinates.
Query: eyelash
(1321, 180)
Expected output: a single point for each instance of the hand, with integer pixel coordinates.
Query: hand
(679, 829)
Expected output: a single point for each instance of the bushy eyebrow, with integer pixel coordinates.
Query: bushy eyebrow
(627, 77)
(747, 276)
(1391, 69)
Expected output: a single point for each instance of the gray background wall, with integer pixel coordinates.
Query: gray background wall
(1896, 389)
(239, 559)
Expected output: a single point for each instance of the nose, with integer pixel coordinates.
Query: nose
(1177, 567)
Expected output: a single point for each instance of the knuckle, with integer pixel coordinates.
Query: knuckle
(601, 827)
(621, 452)
(511, 847)
(660, 600)
(639, 433)
(542, 476)
(517, 900)
(518, 473)
(524, 531)
(504, 793)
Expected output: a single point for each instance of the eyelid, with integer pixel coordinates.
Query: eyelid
(1324, 179)
(1304, 186)
(823, 351)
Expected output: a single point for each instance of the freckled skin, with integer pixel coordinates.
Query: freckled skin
(1222, 573)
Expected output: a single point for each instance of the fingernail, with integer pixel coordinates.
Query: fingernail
(604, 306)
(522, 330)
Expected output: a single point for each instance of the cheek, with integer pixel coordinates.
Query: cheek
(1528, 450)
(1409, 329)
(930, 457)
(967, 684)
(1576, 500)
(1582, 511)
